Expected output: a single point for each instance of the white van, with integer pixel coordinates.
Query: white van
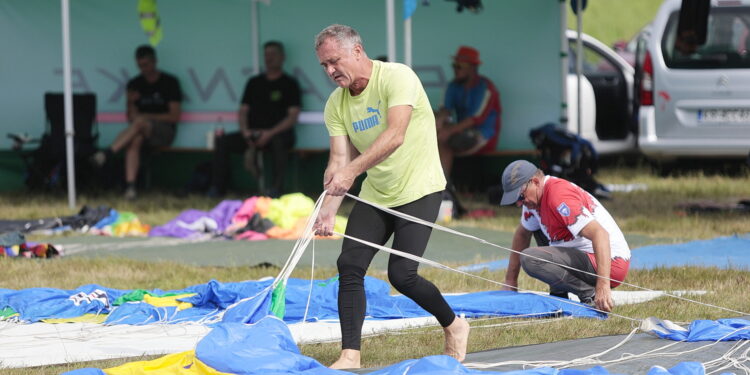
(695, 100)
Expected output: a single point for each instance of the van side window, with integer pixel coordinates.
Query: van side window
(593, 61)
(727, 42)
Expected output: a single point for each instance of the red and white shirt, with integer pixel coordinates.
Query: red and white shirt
(565, 209)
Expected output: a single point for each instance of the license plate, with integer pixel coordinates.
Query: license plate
(724, 115)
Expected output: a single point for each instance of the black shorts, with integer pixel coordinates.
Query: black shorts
(162, 134)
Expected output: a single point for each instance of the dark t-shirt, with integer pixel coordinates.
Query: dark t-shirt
(155, 97)
(269, 101)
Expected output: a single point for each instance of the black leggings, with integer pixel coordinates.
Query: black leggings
(373, 225)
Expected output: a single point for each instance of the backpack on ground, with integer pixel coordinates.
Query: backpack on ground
(566, 155)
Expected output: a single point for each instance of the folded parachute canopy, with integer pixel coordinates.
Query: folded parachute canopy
(699, 330)
(249, 301)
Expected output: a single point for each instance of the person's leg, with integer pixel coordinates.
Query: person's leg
(541, 241)
(138, 127)
(367, 223)
(224, 147)
(412, 237)
(446, 158)
(279, 148)
(133, 159)
(560, 279)
(250, 162)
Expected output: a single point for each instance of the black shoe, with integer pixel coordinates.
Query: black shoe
(589, 301)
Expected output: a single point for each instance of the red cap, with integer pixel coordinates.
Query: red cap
(467, 54)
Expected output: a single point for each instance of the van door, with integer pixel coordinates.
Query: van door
(613, 120)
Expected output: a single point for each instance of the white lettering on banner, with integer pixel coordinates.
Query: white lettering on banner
(207, 84)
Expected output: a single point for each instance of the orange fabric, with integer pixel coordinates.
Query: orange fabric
(263, 205)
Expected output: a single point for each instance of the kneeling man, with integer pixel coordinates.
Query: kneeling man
(572, 229)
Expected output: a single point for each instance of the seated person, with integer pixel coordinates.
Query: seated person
(469, 120)
(269, 109)
(153, 110)
(572, 229)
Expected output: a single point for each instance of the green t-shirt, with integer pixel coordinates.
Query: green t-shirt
(413, 170)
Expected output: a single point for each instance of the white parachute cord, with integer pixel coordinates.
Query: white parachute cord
(521, 323)
(312, 278)
(300, 245)
(621, 343)
(592, 359)
(286, 270)
(533, 321)
(444, 267)
(584, 361)
(556, 364)
(448, 230)
(730, 359)
(534, 316)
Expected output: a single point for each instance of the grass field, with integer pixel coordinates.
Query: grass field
(614, 20)
(653, 212)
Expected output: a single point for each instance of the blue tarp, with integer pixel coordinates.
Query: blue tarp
(214, 298)
(722, 252)
(267, 347)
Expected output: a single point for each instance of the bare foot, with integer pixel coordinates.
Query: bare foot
(456, 338)
(350, 358)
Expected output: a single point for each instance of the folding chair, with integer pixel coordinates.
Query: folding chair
(46, 166)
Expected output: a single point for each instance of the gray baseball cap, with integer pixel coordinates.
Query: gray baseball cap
(515, 176)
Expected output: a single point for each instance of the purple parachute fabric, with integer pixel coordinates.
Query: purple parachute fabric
(191, 223)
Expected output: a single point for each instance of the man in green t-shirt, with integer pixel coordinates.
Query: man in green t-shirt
(380, 122)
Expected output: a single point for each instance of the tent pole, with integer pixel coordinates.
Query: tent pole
(68, 100)
(564, 60)
(579, 61)
(390, 29)
(407, 42)
(254, 37)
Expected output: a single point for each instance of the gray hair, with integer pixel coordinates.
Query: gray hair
(346, 36)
